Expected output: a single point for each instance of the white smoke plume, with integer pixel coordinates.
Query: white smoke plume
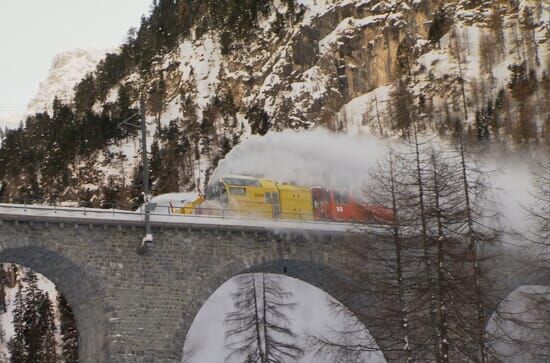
(314, 157)
(319, 157)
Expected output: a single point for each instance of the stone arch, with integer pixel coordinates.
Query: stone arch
(518, 326)
(82, 291)
(319, 275)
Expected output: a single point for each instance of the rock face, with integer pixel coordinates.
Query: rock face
(355, 66)
(338, 67)
(67, 69)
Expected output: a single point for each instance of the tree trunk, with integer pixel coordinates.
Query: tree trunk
(427, 255)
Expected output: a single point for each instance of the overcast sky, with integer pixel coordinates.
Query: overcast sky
(32, 32)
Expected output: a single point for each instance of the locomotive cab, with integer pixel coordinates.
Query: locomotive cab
(242, 196)
(217, 191)
(248, 196)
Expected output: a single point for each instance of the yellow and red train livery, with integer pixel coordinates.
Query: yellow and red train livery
(264, 198)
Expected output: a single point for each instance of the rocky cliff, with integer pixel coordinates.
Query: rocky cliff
(355, 66)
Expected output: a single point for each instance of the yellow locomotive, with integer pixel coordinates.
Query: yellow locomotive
(244, 196)
(263, 198)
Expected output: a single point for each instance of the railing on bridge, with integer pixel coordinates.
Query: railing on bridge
(51, 207)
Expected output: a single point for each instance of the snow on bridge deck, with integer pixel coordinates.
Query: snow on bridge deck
(37, 213)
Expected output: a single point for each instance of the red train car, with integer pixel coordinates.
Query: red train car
(331, 205)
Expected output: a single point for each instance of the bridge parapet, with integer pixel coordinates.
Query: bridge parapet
(133, 219)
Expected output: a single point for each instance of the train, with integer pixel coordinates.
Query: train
(245, 196)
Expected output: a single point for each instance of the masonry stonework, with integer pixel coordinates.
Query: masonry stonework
(138, 308)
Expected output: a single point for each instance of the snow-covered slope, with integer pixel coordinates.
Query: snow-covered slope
(6, 318)
(67, 69)
(335, 64)
(338, 67)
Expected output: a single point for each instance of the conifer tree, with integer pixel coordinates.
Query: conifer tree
(3, 283)
(17, 345)
(46, 326)
(68, 331)
(402, 105)
(259, 120)
(522, 85)
(439, 26)
(259, 329)
(32, 332)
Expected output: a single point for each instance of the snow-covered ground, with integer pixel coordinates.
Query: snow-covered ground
(311, 316)
(520, 328)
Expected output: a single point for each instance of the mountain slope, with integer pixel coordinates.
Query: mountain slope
(358, 66)
(66, 71)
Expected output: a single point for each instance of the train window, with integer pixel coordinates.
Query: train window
(340, 198)
(212, 191)
(242, 182)
(322, 195)
(223, 194)
(276, 208)
(237, 191)
(268, 197)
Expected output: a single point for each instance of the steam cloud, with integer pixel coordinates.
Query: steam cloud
(314, 157)
(319, 157)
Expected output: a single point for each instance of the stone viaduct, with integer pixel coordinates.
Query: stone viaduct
(139, 308)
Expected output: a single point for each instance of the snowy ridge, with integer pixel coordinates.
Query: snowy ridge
(335, 66)
(67, 69)
(11, 121)
(200, 62)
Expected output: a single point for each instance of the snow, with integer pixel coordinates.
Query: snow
(201, 61)
(67, 69)
(442, 63)
(312, 315)
(6, 318)
(171, 112)
(315, 8)
(363, 109)
(313, 84)
(347, 26)
(164, 202)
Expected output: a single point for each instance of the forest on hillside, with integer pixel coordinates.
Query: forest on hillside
(473, 67)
